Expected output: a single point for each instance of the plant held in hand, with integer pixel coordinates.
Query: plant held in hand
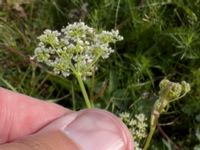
(76, 50)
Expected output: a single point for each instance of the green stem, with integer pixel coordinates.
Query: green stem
(73, 97)
(147, 143)
(83, 90)
(92, 88)
(155, 114)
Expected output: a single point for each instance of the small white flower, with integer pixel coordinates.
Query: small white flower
(75, 49)
(136, 125)
(137, 146)
(124, 115)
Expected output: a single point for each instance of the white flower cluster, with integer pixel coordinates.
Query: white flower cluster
(75, 49)
(137, 127)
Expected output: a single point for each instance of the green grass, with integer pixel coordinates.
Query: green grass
(161, 39)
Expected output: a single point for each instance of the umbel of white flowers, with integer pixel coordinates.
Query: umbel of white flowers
(75, 49)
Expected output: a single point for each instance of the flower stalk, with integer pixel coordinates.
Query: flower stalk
(169, 92)
(83, 90)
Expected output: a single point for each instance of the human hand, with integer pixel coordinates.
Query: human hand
(22, 121)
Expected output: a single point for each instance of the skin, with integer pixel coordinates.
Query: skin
(17, 112)
(53, 140)
(27, 123)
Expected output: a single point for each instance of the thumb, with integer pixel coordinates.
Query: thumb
(87, 129)
(94, 129)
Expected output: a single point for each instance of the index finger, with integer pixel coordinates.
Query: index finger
(22, 115)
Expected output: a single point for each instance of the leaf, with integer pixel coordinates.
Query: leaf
(18, 2)
(198, 134)
(167, 144)
(102, 90)
(112, 82)
(197, 147)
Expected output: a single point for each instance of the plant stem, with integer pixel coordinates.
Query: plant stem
(73, 97)
(152, 129)
(155, 114)
(83, 90)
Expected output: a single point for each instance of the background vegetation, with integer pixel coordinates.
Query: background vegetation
(161, 40)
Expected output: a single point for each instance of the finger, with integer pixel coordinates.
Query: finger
(22, 115)
(86, 130)
(92, 129)
(54, 140)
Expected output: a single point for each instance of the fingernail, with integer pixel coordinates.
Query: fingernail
(100, 130)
